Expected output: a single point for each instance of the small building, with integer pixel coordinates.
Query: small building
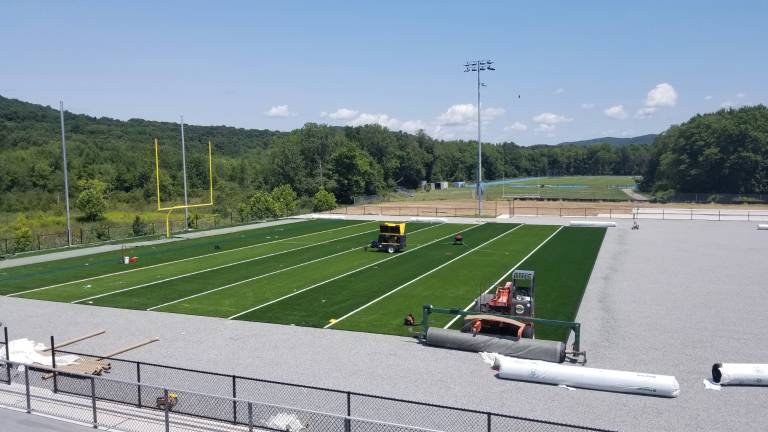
(440, 185)
(458, 184)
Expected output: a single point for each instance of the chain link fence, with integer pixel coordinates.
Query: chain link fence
(101, 233)
(236, 401)
(494, 209)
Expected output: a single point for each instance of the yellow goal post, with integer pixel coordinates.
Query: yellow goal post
(175, 207)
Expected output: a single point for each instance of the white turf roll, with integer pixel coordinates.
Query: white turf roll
(428, 219)
(583, 377)
(740, 374)
(593, 224)
(762, 226)
(327, 216)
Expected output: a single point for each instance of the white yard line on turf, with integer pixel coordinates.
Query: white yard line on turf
(423, 275)
(342, 275)
(506, 274)
(217, 267)
(252, 279)
(177, 261)
(257, 277)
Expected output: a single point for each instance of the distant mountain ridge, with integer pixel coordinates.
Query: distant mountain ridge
(618, 142)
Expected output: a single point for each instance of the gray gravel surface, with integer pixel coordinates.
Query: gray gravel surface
(671, 298)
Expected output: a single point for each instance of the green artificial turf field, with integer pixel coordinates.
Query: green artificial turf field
(317, 273)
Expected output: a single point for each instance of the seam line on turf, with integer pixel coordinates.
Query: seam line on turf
(507, 274)
(215, 268)
(342, 275)
(176, 261)
(421, 276)
(257, 277)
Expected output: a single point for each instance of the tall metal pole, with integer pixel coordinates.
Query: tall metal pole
(184, 169)
(479, 152)
(66, 175)
(477, 66)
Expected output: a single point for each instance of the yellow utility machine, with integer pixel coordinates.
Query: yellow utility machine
(391, 238)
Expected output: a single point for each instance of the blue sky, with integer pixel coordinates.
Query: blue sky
(582, 69)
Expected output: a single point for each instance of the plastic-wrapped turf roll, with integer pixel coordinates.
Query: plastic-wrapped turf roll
(584, 377)
(535, 349)
(599, 224)
(740, 374)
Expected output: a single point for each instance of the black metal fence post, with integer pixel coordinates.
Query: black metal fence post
(7, 355)
(250, 417)
(138, 380)
(93, 402)
(234, 402)
(167, 411)
(347, 420)
(53, 363)
(26, 384)
(489, 422)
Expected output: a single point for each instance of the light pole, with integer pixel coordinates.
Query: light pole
(184, 171)
(477, 66)
(66, 175)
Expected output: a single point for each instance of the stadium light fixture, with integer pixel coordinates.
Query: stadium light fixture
(478, 66)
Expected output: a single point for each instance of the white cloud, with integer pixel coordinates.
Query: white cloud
(543, 127)
(728, 104)
(490, 114)
(380, 119)
(663, 95)
(464, 114)
(740, 95)
(548, 118)
(459, 114)
(412, 126)
(340, 114)
(517, 127)
(645, 112)
(707, 97)
(587, 105)
(616, 111)
(279, 111)
(559, 91)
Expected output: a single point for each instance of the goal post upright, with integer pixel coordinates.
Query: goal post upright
(170, 209)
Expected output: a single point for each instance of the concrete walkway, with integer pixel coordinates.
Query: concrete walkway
(634, 195)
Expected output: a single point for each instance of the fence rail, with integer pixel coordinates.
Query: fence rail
(95, 234)
(238, 401)
(496, 209)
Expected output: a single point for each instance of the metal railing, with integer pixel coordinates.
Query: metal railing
(495, 209)
(110, 403)
(91, 235)
(140, 384)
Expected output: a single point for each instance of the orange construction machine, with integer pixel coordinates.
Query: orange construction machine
(497, 312)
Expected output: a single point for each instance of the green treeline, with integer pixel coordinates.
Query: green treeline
(346, 161)
(722, 152)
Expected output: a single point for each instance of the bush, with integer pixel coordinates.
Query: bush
(262, 206)
(139, 227)
(323, 201)
(285, 200)
(22, 239)
(102, 231)
(91, 200)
